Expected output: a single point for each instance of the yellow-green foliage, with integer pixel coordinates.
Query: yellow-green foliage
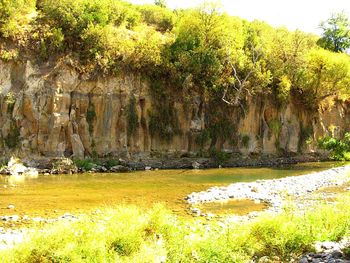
(15, 16)
(214, 54)
(128, 234)
(326, 73)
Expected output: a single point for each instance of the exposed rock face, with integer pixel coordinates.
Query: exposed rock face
(56, 111)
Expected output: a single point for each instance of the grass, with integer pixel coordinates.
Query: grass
(129, 234)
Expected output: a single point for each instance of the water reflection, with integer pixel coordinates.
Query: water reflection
(80, 192)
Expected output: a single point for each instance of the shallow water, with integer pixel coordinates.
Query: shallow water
(57, 194)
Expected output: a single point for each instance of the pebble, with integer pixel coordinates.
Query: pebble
(10, 207)
(273, 192)
(327, 252)
(195, 211)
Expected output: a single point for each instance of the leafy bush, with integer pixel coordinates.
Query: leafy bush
(339, 148)
(245, 138)
(86, 164)
(161, 18)
(14, 16)
(219, 156)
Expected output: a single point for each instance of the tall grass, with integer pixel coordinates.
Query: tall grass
(129, 234)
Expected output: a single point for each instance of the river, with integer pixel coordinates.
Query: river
(50, 195)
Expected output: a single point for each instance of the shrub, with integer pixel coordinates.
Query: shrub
(245, 138)
(161, 18)
(339, 148)
(86, 164)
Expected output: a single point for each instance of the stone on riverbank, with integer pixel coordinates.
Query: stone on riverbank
(276, 191)
(16, 168)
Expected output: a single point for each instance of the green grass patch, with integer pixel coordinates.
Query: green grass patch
(129, 234)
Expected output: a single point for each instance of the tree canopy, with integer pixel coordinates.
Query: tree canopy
(336, 33)
(204, 50)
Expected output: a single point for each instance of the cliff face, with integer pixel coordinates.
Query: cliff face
(55, 111)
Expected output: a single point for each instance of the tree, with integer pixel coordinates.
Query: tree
(336, 33)
(324, 74)
(161, 3)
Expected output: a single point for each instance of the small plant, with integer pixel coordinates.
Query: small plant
(10, 100)
(8, 55)
(305, 137)
(85, 164)
(110, 163)
(90, 117)
(245, 140)
(219, 156)
(202, 138)
(164, 123)
(275, 125)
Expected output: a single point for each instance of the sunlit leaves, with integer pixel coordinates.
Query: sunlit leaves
(336, 33)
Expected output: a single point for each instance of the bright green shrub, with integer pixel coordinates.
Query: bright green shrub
(339, 148)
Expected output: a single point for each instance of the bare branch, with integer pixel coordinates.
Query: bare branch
(240, 82)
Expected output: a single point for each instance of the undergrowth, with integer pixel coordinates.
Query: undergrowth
(129, 234)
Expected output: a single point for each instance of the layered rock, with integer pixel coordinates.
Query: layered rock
(57, 111)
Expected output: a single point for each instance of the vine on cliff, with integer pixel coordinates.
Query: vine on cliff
(164, 121)
(132, 118)
(90, 117)
(12, 139)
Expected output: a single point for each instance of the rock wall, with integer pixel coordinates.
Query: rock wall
(55, 111)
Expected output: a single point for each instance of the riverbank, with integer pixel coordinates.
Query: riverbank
(130, 234)
(275, 192)
(108, 165)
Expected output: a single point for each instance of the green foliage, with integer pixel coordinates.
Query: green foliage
(85, 164)
(200, 51)
(89, 163)
(324, 74)
(245, 140)
(133, 121)
(12, 139)
(158, 16)
(161, 3)
(202, 138)
(220, 157)
(8, 54)
(10, 100)
(110, 163)
(14, 16)
(219, 125)
(163, 122)
(129, 234)
(305, 136)
(275, 126)
(339, 148)
(336, 33)
(90, 117)
(163, 119)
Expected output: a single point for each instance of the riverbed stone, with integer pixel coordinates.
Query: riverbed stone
(119, 168)
(273, 192)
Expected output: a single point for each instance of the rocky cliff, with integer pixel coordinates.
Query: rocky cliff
(55, 110)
